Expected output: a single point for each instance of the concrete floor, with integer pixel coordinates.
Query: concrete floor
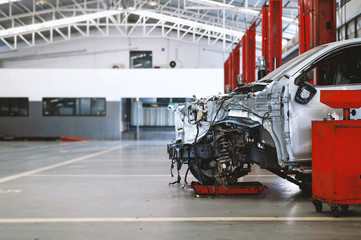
(119, 190)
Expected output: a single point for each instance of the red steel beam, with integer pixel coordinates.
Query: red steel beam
(244, 58)
(251, 55)
(275, 34)
(304, 14)
(236, 67)
(230, 71)
(249, 52)
(323, 22)
(265, 38)
(227, 87)
(317, 23)
(317, 20)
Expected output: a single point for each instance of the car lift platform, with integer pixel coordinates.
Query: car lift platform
(239, 188)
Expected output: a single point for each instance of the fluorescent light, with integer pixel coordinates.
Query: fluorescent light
(55, 23)
(153, 3)
(8, 1)
(212, 3)
(238, 9)
(66, 21)
(41, 2)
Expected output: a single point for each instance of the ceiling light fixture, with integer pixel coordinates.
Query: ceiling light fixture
(41, 2)
(153, 3)
(237, 9)
(8, 1)
(55, 23)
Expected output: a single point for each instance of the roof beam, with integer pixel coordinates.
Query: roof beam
(55, 23)
(166, 18)
(208, 4)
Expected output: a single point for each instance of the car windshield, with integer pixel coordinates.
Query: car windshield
(274, 75)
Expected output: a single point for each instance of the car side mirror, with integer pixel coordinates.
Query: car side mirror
(305, 93)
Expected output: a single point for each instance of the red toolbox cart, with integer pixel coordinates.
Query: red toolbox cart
(336, 155)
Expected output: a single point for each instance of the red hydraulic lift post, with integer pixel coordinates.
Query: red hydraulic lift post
(275, 34)
(230, 72)
(249, 52)
(265, 38)
(236, 67)
(323, 19)
(317, 20)
(244, 59)
(317, 23)
(226, 80)
(304, 14)
(251, 55)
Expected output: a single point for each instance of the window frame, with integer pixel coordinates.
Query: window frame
(312, 65)
(139, 52)
(11, 99)
(76, 101)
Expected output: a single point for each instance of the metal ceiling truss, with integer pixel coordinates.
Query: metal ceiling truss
(24, 26)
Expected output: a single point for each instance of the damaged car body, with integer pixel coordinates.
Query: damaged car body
(267, 122)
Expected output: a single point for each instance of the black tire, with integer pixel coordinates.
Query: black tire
(197, 173)
(335, 209)
(318, 205)
(344, 208)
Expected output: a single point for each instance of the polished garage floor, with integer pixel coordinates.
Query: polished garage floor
(119, 190)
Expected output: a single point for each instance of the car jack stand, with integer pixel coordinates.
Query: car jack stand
(239, 188)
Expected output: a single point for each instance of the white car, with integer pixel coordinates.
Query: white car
(267, 122)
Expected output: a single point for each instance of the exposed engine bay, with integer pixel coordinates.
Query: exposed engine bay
(220, 138)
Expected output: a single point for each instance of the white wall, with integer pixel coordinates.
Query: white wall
(110, 83)
(104, 52)
(348, 11)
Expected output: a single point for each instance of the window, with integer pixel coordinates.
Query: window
(11, 107)
(349, 67)
(74, 107)
(344, 67)
(140, 59)
(162, 102)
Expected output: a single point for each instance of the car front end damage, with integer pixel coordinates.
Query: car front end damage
(221, 137)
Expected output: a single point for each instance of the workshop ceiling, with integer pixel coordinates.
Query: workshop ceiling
(29, 23)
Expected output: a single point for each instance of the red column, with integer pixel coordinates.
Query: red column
(226, 80)
(304, 13)
(251, 55)
(323, 22)
(236, 67)
(317, 23)
(322, 27)
(275, 34)
(244, 59)
(230, 71)
(265, 38)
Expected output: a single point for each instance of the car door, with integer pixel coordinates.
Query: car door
(340, 70)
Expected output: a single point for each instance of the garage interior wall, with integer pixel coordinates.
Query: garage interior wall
(348, 11)
(105, 52)
(112, 84)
